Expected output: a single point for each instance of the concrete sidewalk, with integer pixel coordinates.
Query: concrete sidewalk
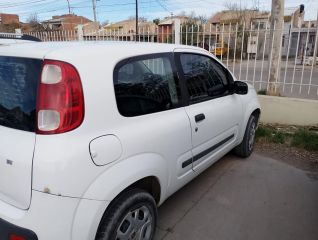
(255, 198)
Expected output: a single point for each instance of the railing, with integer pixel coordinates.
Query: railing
(244, 48)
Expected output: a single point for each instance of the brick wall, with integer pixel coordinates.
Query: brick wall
(8, 18)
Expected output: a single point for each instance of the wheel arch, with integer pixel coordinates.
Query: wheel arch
(148, 171)
(252, 108)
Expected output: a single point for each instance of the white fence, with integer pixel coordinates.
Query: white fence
(243, 48)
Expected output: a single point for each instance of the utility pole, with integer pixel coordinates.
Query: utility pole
(276, 21)
(94, 10)
(316, 43)
(136, 19)
(69, 6)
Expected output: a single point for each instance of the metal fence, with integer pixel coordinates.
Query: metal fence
(244, 48)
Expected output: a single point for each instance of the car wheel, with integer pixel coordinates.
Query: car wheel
(247, 145)
(133, 215)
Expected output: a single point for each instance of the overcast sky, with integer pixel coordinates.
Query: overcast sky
(115, 10)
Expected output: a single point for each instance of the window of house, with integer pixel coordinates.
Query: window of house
(205, 78)
(145, 85)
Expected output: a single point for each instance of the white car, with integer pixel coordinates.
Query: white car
(95, 136)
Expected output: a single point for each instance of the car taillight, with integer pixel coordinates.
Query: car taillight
(60, 101)
(16, 237)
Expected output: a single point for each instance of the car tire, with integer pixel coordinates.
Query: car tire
(133, 213)
(247, 145)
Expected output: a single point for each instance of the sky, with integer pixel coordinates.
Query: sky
(116, 10)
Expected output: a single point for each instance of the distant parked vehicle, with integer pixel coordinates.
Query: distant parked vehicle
(220, 49)
(94, 136)
(309, 60)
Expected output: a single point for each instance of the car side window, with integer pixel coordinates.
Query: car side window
(145, 85)
(204, 78)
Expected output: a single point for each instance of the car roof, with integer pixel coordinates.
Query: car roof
(58, 50)
(4, 41)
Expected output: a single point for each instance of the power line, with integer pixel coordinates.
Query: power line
(77, 5)
(12, 5)
(163, 6)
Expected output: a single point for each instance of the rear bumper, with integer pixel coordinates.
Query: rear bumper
(8, 229)
(52, 217)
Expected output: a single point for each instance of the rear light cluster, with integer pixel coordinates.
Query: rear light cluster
(16, 237)
(60, 101)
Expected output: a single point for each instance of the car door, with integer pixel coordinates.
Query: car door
(214, 112)
(152, 117)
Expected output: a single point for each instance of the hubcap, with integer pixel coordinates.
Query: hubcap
(136, 225)
(252, 136)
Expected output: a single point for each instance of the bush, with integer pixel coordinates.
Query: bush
(279, 137)
(263, 132)
(305, 139)
(262, 92)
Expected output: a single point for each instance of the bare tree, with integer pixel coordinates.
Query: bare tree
(141, 19)
(242, 13)
(202, 19)
(34, 23)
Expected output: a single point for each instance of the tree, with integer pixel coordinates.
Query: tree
(190, 28)
(140, 19)
(34, 23)
(156, 21)
(202, 19)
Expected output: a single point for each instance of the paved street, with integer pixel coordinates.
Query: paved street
(262, 74)
(258, 198)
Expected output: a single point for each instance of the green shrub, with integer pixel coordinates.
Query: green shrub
(278, 137)
(305, 139)
(263, 132)
(262, 92)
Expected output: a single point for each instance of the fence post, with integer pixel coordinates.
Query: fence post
(80, 33)
(18, 31)
(177, 24)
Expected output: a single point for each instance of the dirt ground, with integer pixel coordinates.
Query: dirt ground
(296, 157)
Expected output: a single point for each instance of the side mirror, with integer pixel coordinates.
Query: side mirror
(240, 87)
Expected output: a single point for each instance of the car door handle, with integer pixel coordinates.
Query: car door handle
(200, 117)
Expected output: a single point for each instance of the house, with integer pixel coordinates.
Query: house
(307, 34)
(293, 20)
(224, 19)
(126, 30)
(230, 21)
(9, 22)
(65, 22)
(257, 25)
(9, 18)
(167, 25)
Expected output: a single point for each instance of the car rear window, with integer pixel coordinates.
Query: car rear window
(18, 88)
